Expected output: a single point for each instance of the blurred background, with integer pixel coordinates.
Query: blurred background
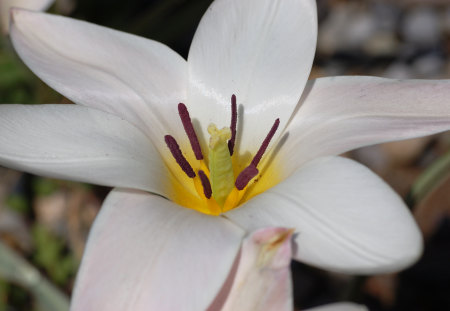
(44, 222)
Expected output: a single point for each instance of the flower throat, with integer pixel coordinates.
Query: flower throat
(215, 183)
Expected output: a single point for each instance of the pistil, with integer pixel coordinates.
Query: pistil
(220, 164)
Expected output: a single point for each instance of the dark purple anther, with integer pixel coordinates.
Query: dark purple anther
(233, 124)
(190, 132)
(245, 176)
(179, 157)
(251, 171)
(205, 183)
(265, 143)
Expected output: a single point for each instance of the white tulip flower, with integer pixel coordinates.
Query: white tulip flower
(167, 236)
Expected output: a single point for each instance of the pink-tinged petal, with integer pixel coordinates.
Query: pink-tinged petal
(341, 306)
(134, 78)
(339, 114)
(259, 50)
(346, 218)
(79, 143)
(146, 253)
(263, 278)
(6, 5)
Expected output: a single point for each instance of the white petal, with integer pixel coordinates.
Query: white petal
(79, 143)
(346, 218)
(134, 78)
(263, 277)
(259, 50)
(341, 306)
(339, 114)
(146, 253)
(5, 5)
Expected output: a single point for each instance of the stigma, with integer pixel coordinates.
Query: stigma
(214, 177)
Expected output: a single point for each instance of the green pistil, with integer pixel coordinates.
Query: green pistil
(220, 164)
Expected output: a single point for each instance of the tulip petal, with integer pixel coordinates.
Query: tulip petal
(5, 5)
(147, 253)
(259, 50)
(339, 114)
(340, 306)
(134, 78)
(79, 143)
(263, 277)
(347, 219)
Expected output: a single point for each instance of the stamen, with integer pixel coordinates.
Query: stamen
(251, 171)
(179, 157)
(265, 143)
(205, 183)
(233, 124)
(190, 132)
(245, 176)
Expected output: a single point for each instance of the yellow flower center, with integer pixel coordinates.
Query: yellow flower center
(213, 188)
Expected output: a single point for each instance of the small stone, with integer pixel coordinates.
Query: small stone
(398, 70)
(429, 66)
(346, 28)
(421, 27)
(446, 20)
(51, 211)
(404, 152)
(381, 43)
